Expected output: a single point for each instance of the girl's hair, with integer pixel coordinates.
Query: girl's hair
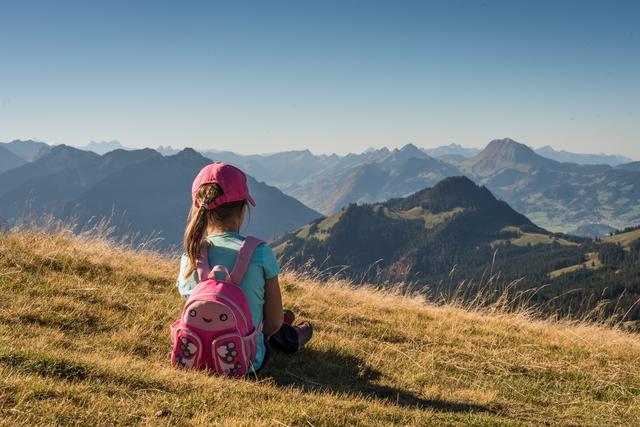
(200, 217)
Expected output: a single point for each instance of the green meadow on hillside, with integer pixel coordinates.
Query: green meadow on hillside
(85, 341)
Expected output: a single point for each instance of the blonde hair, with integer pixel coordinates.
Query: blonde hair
(200, 217)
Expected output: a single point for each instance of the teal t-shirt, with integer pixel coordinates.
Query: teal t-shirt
(224, 252)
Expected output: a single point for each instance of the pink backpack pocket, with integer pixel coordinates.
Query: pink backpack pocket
(229, 357)
(233, 354)
(187, 347)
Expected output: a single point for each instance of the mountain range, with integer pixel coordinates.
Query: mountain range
(378, 176)
(103, 147)
(567, 197)
(141, 192)
(559, 196)
(583, 159)
(451, 152)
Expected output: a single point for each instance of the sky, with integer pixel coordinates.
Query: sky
(342, 76)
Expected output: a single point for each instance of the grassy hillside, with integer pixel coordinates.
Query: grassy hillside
(85, 341)
(624, 239)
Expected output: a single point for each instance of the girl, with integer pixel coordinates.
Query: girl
(220, 199)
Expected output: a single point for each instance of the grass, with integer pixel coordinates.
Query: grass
(624, 239)
(533, 239)
(85, 341)
(319, 230)
(419, 214)
(592, 263)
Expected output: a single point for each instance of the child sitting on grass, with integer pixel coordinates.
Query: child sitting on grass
(220, 199)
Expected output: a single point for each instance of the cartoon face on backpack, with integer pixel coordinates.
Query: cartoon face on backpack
(209, 316)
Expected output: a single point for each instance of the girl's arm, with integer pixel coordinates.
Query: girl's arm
(272, 306)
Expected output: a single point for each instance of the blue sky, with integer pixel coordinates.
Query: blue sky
(330, 76)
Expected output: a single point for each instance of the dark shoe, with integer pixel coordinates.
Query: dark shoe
(289, 317)
(305, 332)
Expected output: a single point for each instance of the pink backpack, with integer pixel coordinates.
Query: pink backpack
(215, 331)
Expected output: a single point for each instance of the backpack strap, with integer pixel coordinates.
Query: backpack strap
(243, 260)
(202, 263)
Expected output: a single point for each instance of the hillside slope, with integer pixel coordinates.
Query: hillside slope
(85, 341)
(9, 160)
(416, 238)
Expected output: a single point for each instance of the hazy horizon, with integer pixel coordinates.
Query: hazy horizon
(83, 146)
(341, 77)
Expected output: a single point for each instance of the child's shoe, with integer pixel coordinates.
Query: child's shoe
(305, 332)
(289, 317)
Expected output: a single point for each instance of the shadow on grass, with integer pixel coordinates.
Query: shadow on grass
(330, 371)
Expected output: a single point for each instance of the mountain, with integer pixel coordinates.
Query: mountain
(421, 236)
(505, 154)
(103, 147)
(451, 151)
(28, 150)
(583, 159)
(153, 196)
(458, 230)
(557, 196)
(279, 169)
(138, 190)
(633, 166)
(8, 160)
(167, 150)
(370, 177)
(45, 185)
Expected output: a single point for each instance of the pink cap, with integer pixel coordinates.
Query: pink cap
(231, 179)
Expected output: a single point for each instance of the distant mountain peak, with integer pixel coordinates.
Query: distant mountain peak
(408, 151)
(103, 147)
(511, 148)
(63, 148)
(409, 147)
(27, 149)
(167, 150)
(451, 150)
(26, 141)
(506, 153)
(67, 150)
(506, 143)
(189, 154)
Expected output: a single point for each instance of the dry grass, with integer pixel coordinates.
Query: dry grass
(419, 214)
(624, 239)
(531, 239)
(592, 263)
(85, 341)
